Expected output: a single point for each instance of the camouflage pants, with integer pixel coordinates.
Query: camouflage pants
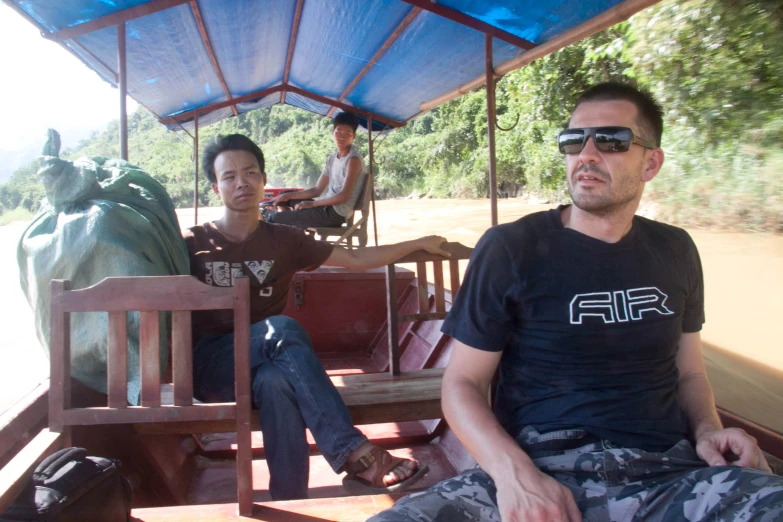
(610, 484)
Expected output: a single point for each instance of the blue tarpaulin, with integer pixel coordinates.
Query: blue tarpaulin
(170, 72)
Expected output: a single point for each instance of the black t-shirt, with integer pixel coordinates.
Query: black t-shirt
(269, 257)
(589, 330)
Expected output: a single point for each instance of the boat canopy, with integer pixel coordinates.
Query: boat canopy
(386, 59)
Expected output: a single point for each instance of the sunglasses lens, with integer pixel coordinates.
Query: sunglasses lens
(571, 141)
(613, 139)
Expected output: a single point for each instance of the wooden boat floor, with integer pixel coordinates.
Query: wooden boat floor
(345, 509)
(214, 481)
(387, 435)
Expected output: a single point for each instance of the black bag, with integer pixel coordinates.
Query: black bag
(69, 486)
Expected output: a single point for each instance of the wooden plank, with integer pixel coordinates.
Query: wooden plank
(190, 115)
(23, 416)
(242, 392)
(371, 398)
(115, 18)
(344, 106)
(391, 320)
(119, 294)
(432, 316)
(380, 52)
(457, 251)
(202, 29)
(769, 440)
(149, 352)
(454, 274)
(340, 509)
(15, 475)
(59, 355)
(423, 287)
(608, 18)
(440, 295)
(182, 357)
(474, 23)
(117, 360)
(360, 414)
(139, 414)
(341, 381)
(291, 44)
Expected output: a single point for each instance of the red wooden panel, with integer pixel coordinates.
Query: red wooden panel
(117, 360)
(440, 296)
(242, 392)
(182, 357)
(117, 294)
(454, 273)
(149, 351)
(59, 356)
(136, 414)
(424, 293)
(391, 320)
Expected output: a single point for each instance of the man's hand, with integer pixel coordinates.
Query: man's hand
(304, 204)
(432, 245)
(712, 446)
(282, 198)
(533, 496)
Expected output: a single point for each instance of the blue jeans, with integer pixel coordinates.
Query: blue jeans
(291, 391)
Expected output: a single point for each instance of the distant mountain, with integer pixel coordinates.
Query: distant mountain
(10, 160)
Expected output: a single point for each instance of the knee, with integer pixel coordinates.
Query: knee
(282, 327)
(269, 378)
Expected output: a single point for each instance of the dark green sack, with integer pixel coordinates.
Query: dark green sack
(101, 218)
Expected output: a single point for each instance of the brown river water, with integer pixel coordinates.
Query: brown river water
(743, 279)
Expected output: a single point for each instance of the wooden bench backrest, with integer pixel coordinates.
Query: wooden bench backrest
(422, 259)
(149, 296)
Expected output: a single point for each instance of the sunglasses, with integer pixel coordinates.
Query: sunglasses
(606, 139)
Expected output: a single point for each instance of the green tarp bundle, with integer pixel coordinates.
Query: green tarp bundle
(101, 218)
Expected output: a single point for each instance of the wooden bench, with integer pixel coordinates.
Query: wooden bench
(150, 296)
(393, 396)
(371, 398)
(170, 408)
(343, 509)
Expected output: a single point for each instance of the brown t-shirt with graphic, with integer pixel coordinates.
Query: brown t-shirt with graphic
(269, 258)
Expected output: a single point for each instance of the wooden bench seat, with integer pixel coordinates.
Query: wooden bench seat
(343, 509)
(370, 397)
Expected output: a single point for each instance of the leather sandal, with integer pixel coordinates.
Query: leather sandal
(386, 463)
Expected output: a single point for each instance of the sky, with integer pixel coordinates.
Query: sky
(41, 86)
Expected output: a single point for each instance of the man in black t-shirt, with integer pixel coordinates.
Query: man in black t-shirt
(290, 388)
(591, 315)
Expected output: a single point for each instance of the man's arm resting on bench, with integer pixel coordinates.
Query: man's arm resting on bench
(373, 257)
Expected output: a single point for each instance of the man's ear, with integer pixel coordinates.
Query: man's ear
(263, 177)
(215, 189)
(652, 164)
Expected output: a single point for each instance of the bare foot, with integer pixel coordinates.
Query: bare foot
(402, 471)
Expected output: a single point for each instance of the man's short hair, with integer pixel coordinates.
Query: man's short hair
(346, 118)
(650, 119)
(224, 143)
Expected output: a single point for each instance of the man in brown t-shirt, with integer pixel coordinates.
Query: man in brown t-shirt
(290, 387)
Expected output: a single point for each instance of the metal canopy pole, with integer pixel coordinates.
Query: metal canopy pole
(122, 83)
(493, 175)
(372, 179)
(195, 166)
